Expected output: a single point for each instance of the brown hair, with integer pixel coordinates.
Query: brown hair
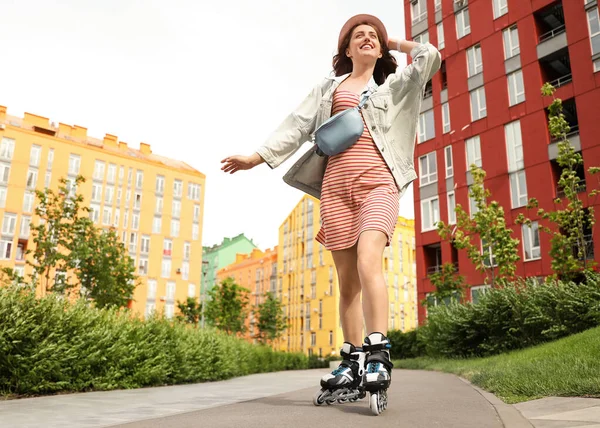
(384, 66)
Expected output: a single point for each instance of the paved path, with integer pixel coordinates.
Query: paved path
(417, 399)
(562, 412)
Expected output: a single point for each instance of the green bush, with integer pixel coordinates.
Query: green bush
(48, 345)
(515, 316)
(406, 344)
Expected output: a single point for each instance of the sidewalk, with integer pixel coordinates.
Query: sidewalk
(418, 399)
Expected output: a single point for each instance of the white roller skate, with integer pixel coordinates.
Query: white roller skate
(344, 383)
(377, 377)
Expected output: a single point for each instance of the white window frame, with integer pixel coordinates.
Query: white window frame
(109, 194)
(99, 170)
(432, 221)
(111, 173)
(177, 188)
(28, 200)
(596, 34)
(500, 8)
(74, 164)
(166, 268)
(514, 146)
(474, 61)
(169, 310)
(3, 194)
(478, 108)
(473, 209)
(194, 191)
(135, 221)
(176, 209)
(475, 144)
(106, 216)
(35, 154)
(518, 196)
(492, 258)
(157, 224)
(462, 29)
(170, 290)
(191, 290)
(24, 229)
(158, 209)
(482, 288)
(426, 176)
(143, 266)
(175, 228)
(185, 270)
(448, 161)
(145, 244)
(195, 232)
(196, 213)
(6, 248)
(139, 179)
(446, 126)
(32, 178)
(528, 234)
(187, 251)
(50, 160)
(514, 96)
(96, 192)
(152, 286)
(422, 38)
(9, 223)
(451, 207)
(160, 184)
(7, 148)
(511, 48)
(422, 126)
(95, 213)
(418, 11)
(4, 174)
(440, 36)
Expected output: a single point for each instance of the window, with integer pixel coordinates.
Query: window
(159, 206)
(112, 173)
(473, 152)
(135, 221)
(511, 42)
(191, 290)
(177, 188)
(166, 268)
(5, 249)
(488, 252)
(150, 309)
(47, 179)
(516, 163)
(500, 8)
(176, 211)
(477, 292)
(50, 159)
(194, 191)
(137, 203)
(160, 184)
(167, 247)
(3, 192)
(185, 270)
(478, 105)
(133, 242)
(446, 117)
(157, 225)
(187, 248)
(4, 174)
(126, 219)
(440, 36)
(473, 208)
(32, 177)
(418, 10)
(426, 128)
(151, 289)
(145, 244)
(117, 217)
(427, 169)
(430, 213)
(451, 208)
(195, 232)
(174, 228)
(28, 199)
(474, 62)
(531, 241)
(34, 156)
(99, 167)
(108, 195)
(9, 223)
(25, 226)
(422, 38)
(463, 25)
(143, 268)
(516, 88)
(129, 176)
(94, 213)
(7, 148)
(518, 189)
(121, 174)
(169, 310)
(139, 179)
(106, 215)
(448, 160)
(196, 213)
(96, 192)
(594, 27)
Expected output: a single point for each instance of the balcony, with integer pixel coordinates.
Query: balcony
(556, 68)
(588, 249)
(433, 258)
(550, 23)
(570, 113)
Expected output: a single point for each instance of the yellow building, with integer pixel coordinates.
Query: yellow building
(154, 203)
(308, 285)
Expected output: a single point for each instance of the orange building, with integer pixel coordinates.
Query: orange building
(257, 272)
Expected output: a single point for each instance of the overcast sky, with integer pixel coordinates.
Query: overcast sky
(197, 80)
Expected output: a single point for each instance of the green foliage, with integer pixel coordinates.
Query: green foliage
(518, 315)
(448, 286)
(226, 308)
(48, 345)
(271, 319)
(190, 311)
(488, 226)
(572, 224)
(406, 344)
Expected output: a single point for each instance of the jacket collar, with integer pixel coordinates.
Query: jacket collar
(370, 86)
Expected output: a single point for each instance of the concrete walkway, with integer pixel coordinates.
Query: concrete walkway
(562, 412)
(418, 399)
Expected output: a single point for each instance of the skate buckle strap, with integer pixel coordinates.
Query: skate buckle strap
(376, 347)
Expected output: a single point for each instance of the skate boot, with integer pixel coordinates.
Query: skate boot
(377, 377)
(344, 383)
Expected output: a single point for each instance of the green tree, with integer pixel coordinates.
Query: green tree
(226, 307)
(59, 214)
(571, 224)
(497, 256)
(448, 286)
(271, 319)
(190, 311)
(102, 264)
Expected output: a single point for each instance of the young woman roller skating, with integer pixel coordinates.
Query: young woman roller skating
(359, 188)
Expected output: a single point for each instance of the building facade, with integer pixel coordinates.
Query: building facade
(308, 284)
(485, 107)
(126, 189)
(257, 272)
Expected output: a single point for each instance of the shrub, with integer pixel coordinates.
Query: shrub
(518, 315)
(406, 344)
(48, 345)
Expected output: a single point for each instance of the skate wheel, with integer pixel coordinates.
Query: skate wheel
(318, 398)
(374, 403)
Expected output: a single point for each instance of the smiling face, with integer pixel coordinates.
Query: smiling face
(364, 44)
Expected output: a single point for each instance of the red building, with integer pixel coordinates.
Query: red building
(485, 107)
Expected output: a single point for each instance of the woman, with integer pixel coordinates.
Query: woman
(359, 188)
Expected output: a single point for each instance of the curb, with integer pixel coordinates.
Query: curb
(508, 414)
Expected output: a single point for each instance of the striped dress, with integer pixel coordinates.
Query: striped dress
(358, 192)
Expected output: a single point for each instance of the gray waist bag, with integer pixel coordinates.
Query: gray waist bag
(341, 130)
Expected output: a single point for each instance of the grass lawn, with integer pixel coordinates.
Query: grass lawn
(566, 367)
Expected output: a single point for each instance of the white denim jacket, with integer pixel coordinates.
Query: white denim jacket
(391, 114)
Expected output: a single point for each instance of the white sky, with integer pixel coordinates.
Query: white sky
(197, 80)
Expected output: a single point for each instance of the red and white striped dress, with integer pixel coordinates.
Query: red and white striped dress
(358, 192)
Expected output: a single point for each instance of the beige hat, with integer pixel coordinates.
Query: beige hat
(363, 18)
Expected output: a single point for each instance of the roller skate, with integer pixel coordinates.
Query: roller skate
(344, 383)
(377, 376)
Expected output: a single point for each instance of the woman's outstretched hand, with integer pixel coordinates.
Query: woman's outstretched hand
(235, 163)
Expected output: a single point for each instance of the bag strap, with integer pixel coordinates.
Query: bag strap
(364, 98)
